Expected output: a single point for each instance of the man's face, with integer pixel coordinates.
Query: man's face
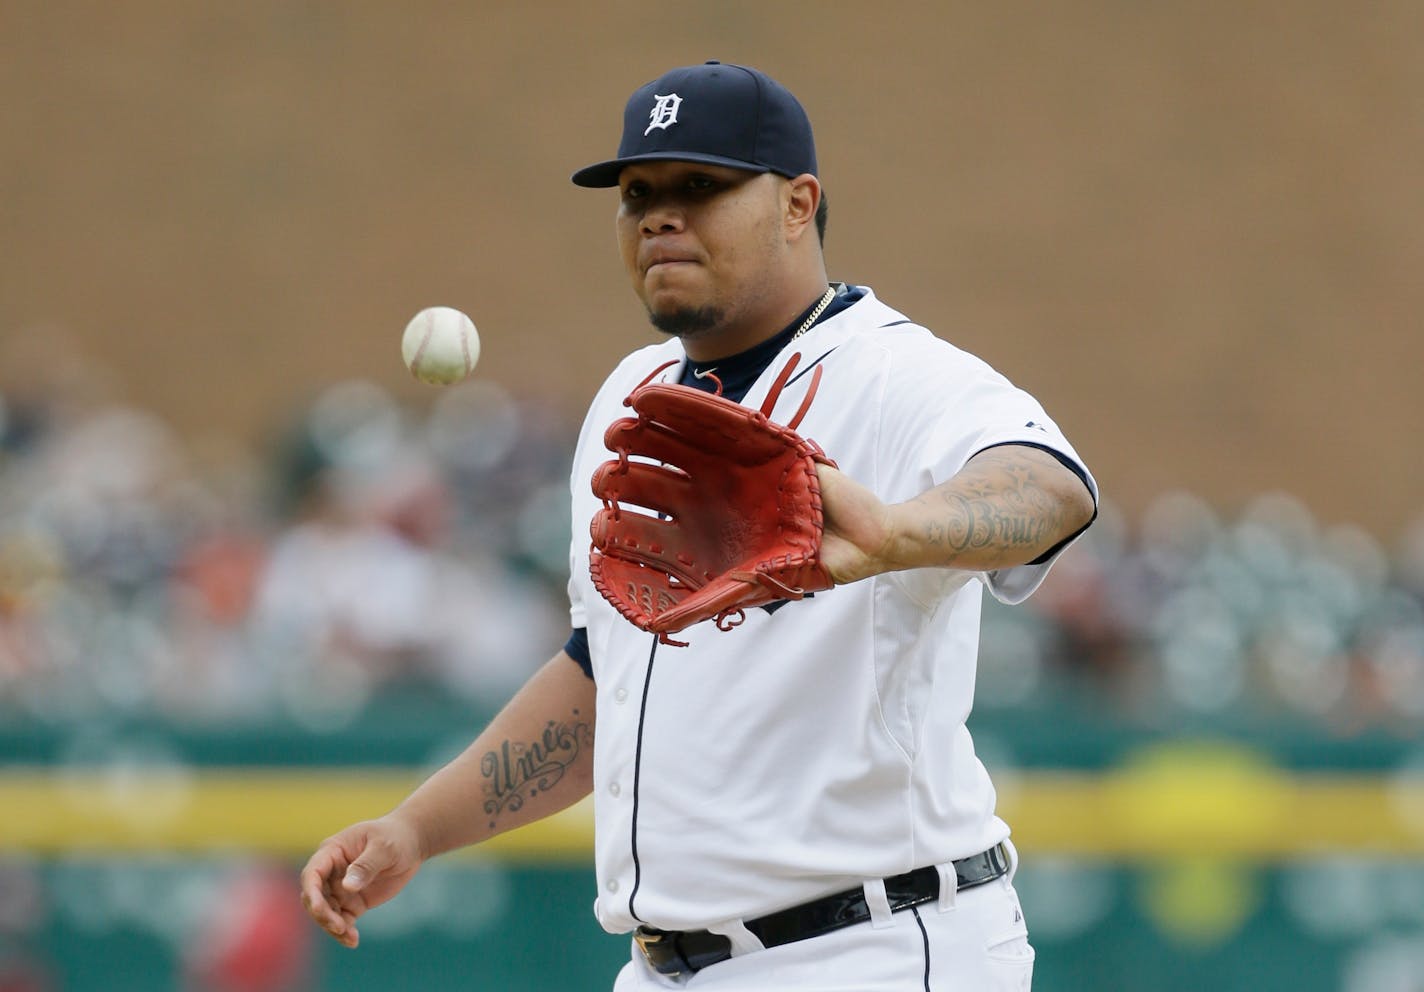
(704, 245)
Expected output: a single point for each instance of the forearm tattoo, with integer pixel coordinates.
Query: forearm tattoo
(519, 771)
(997, 505)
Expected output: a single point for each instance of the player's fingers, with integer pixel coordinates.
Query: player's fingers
(348, 907)
(349, 935)
(312, 882)
(323, 912)
(319, 893)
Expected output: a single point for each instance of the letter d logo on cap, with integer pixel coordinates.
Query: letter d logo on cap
(664, 113)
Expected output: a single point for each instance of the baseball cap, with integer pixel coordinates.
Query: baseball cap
(718, 113)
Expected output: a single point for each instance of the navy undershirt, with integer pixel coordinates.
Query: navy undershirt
(737, 373)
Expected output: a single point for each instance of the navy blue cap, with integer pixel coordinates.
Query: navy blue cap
(720, 114)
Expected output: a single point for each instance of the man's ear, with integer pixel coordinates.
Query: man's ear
(802, 197)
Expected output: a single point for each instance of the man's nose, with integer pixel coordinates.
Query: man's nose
(661, 216)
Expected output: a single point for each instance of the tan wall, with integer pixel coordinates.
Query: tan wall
(1196, 230)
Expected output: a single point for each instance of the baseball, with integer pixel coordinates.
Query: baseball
(440, 346)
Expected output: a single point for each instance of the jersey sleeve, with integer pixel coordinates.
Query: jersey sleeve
(989, 411)
(580, 473)
(578, 543)
(589, 453)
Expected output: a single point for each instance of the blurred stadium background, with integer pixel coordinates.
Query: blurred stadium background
(254, 580)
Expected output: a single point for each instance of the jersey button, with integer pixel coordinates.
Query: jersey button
(612, 885)
(621, 696)
(614, 789)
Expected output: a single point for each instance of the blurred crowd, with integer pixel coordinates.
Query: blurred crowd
(1190, 613)
(373, 546)
(370, 547)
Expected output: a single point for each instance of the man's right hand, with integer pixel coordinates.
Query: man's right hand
(358, 869)
(463, 803)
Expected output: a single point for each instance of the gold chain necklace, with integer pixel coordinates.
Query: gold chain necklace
(826, 299)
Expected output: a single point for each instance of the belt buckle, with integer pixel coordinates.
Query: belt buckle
(647, 942)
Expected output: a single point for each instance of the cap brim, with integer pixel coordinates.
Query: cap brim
(602, 175)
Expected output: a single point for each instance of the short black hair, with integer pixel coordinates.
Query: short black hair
(821, 211)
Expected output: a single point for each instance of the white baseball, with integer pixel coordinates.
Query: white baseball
(440, 345)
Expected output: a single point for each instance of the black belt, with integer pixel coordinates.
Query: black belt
(676, 952)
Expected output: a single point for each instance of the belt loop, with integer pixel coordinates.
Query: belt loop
(878, 903)
(948, 886)
(1013, 857)
(743, 940)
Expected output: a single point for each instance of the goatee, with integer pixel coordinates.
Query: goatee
(687, 322)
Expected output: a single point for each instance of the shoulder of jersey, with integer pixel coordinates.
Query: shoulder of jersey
(905, 340)
(910, 352)
(877, 326)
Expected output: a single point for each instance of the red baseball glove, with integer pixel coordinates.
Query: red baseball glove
(737, 508)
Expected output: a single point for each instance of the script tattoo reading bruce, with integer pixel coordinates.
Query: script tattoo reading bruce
(518, 771)
(1002, 506)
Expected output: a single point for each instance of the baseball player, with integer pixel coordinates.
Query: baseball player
(792, 803)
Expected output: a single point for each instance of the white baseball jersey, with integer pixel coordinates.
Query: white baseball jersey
(822, 743)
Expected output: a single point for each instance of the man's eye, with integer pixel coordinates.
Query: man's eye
(701, 183)
(635, 191)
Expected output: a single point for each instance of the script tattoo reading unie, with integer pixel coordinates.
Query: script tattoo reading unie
(517, 771)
